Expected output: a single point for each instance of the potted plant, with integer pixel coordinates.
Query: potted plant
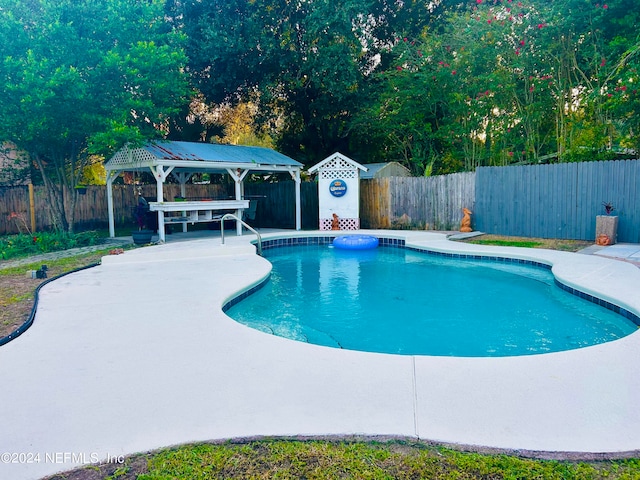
(143, 234)
(607, 226)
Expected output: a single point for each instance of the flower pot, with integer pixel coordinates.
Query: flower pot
(142, 237)
(606, 229)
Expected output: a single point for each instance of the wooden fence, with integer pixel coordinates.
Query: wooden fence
(549, 201)
(276, 204)
(558, 201)
(426, 203)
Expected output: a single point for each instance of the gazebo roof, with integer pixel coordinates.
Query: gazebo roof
(200, 157)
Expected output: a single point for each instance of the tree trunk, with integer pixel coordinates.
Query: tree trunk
(55, 198)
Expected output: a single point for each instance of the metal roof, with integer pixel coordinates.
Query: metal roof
(204, 156)
(397, 169)
(212, 152)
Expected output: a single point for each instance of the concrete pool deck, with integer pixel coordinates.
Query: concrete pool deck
(136, 354)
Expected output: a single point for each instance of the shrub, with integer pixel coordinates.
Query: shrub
(24, 245)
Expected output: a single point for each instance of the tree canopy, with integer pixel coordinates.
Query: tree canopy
(303, 62)
(441, 86)
(505, 82)
(82, 77)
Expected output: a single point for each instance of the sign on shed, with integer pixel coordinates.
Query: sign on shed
(339, 192)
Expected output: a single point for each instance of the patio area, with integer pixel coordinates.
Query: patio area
(136, 354)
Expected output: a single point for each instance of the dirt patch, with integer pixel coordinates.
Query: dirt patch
(17, 290)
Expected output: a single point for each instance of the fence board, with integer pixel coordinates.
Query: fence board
(433, 203)
(277, 204)
(375, 200)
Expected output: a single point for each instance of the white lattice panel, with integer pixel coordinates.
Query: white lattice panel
(131, 158)
(121, 157)
(349, 224)
(343, 223)
(331, 174)
(325, 224)
(338, 168)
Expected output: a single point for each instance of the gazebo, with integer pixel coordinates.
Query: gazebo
(183, 159)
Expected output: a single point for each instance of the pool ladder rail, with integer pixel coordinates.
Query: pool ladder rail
(249, 227)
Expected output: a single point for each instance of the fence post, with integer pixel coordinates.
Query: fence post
(32, 207)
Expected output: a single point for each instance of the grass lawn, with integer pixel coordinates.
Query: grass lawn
(552, 244)
(323, 459)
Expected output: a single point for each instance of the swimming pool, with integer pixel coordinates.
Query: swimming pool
(399, 301)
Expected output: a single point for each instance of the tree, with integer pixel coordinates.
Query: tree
(82, 77)
(440, 86)
(499, 82)
(304, 64)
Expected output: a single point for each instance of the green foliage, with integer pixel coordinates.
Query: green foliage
(240, 127)
(439, 86)
(327, 460)
(507, 243)
(24, 245)
(82, 77)
(501, 82)
(305, 64)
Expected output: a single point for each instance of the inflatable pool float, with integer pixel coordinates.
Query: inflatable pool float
(355, 242)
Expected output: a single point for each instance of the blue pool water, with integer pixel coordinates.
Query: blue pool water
(399, 301)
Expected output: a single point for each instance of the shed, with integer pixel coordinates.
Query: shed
(385, 169)
(338, 192)
(183, 159)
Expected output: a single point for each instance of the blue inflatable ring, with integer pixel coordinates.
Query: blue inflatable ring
(355, 242)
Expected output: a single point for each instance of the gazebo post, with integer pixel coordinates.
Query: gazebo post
(183, 178)
(238, 178)
(159, 198)
(296, 177)
(161, 175)
(112, 229)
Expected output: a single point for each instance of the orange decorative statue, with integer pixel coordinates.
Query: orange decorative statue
(465, 225)
(603, 239)
(335, 223)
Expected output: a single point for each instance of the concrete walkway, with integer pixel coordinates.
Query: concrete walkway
(136, 354)
(626, 252)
